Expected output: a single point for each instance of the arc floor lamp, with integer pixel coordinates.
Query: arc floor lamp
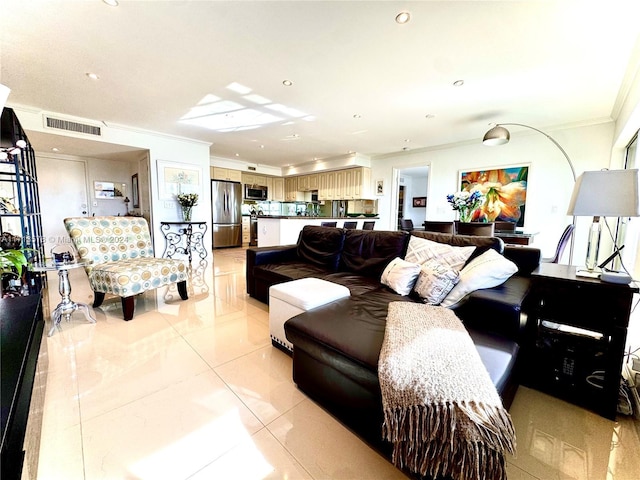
(499, 135)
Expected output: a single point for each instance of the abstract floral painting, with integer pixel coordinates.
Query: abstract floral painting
(504, 189)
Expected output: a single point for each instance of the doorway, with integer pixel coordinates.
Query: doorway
(409, 182)
(65, 196)
(400, 206)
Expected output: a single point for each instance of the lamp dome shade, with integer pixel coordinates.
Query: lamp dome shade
(496, 136)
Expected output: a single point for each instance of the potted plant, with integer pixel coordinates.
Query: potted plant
(12, 263)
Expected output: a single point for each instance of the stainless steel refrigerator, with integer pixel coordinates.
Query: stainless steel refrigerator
(226, 200)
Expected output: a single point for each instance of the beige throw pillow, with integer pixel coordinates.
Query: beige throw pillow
(485, 271)
(400, 276)
(420, 250)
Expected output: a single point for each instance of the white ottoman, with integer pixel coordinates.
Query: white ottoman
(289, 299)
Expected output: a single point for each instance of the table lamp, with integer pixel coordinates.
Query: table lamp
(604, 193)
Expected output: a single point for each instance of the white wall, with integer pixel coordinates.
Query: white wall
(161, 148)
(550, 180)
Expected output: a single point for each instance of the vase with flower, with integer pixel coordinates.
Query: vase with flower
(465, 203)
(187, 201)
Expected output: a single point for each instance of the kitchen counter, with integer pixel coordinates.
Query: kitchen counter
(285, 230)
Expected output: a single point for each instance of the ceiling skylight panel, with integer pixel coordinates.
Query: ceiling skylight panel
(291, 112)
(259, 99)
(224, 106)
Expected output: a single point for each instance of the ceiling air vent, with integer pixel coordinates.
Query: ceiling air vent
(60, 124)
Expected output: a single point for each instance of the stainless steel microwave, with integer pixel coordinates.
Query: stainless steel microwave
(255, 192)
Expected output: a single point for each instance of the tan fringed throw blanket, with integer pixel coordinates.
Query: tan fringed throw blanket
(442, 412)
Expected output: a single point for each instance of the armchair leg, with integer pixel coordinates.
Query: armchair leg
(128, 306)
(98, 298)
(182, 290)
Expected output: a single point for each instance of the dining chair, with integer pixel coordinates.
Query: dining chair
(350, 225)
(502, 226)
(406, 224)
(439, 227)
(368, 225)
(329, 224)
(562, 243)
(475, 228)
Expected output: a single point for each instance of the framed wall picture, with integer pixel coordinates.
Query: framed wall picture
(505, 191)
(175, 178)
(379, 187)
(135, 197)
(419, 202)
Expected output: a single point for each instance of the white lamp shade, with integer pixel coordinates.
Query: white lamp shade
(606, 193)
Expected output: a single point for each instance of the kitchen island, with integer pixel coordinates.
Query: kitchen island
(283, 230)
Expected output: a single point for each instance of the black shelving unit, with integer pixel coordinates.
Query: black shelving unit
(577, 330)
(20, 212)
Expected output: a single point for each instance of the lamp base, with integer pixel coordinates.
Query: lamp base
(593, 246)
(588, 273)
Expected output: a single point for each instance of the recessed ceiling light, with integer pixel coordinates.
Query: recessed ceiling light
(287, 83)
(111, 3)
(92, 76)
(55, 149)
(261, 146)
(458, 83)
(403, 17)
(405, 148)
(406, 140)
(430, 116)
(237, 154)
(357, 115)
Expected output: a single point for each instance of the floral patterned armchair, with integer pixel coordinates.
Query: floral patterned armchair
(120, 259)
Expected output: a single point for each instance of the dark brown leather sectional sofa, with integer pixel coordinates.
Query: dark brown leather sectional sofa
(336, 346)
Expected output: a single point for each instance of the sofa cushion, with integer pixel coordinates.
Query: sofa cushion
(400, 275)
(486, 271)
(347, 334)
(368, 252)
(357, 284)
(321, 246)
(273, 273)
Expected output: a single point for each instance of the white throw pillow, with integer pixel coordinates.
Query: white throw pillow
(400, 276)
(435, 282)
(420, 250)
(485, 271)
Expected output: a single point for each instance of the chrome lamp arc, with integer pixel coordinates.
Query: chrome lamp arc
(499, 135)
(604, 193)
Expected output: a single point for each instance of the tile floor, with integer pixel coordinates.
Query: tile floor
(194, 390)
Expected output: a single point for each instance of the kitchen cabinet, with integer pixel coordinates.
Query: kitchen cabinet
(276, 193)
(303, 183)
(246, 230)
(313, 181)
(291, 193)
(218, 173)
(253, 179)
(307, 183)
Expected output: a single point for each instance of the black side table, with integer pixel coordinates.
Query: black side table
(576, 337)
(184, 238)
